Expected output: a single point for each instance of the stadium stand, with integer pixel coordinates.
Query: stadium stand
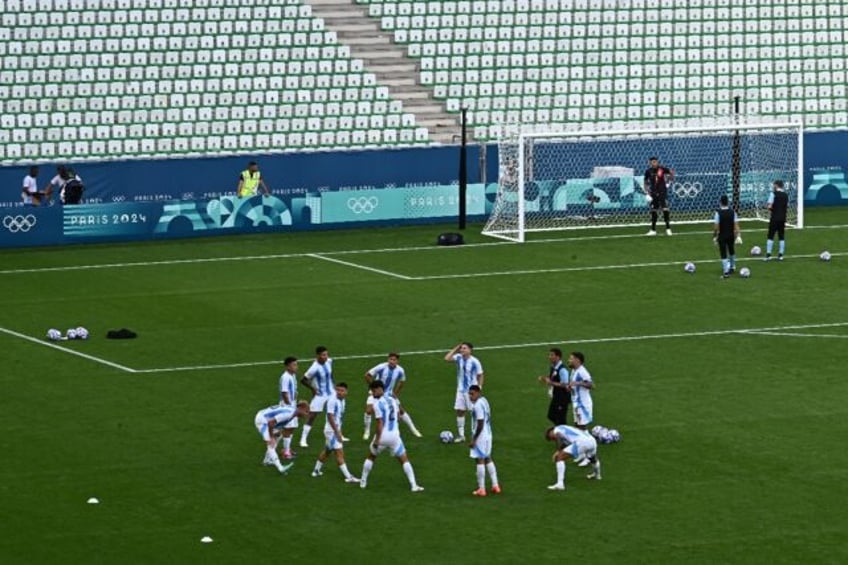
(590, 61)
(98, 79)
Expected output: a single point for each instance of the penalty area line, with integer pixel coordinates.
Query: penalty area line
(743, 331)
(68, 351)
(357, 266)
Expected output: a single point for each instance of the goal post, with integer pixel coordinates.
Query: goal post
(555, 179)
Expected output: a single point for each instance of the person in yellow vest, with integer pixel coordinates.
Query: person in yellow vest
(250, 180)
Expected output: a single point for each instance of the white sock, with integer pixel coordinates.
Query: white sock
(781, 246)
(410, 474)
(318, 465)
(272, 456)
(306, 429)
(407, 420)
(460, 426)
(344, 470)
(366, 468)
(481, 476)
(560, 468)
(493, 473)
(287, 443)
(367, 421)
(769, 246)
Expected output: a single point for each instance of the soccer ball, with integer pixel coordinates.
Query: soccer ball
(744, 272)
(756, 251)
(825, 256)
(71, 333)
(446, 436)
(615, 437)
(606, 437)
(689, 267)
(54, 335)
(597, 431)
(82, 333)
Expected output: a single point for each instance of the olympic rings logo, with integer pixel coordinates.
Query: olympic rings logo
(363, 204)
(17, 224)
(687, 189)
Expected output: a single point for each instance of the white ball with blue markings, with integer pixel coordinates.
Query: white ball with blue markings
(825, 256)
(689, 267)
(744, 272)
(756, 251)
(598, 431)
(71, 333)
(446, 436)
(606, 437)
(82, 333)
(615, 437)
(54, 335)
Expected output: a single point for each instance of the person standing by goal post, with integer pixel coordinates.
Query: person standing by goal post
(657, 180)
(725, 235)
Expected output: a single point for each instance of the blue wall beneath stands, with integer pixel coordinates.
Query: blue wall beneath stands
(131, 200)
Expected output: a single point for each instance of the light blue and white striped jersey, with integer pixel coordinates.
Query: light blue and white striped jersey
(386, 409)
(570, 434)
(581, 397)
(336, 407)
(281, 414)
(388, 376)
(467, 371)
(288, 383)
(481, 411)
(322, 376)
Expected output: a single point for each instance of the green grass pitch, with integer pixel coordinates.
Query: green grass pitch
(729, 395)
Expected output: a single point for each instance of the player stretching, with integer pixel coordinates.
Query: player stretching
(469, 371)
(574, 444)
(778, 202)
(333, 435)
(272, 419)
(288, 397)
(387, 437)
(393, 377)
(481, 441)
(319, 379)
(657, 181)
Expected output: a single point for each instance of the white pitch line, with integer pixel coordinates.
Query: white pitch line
(362, 267)
(69, 351)
(795, 334)
(752, 331)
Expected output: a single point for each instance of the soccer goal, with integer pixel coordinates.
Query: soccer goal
(553, 179)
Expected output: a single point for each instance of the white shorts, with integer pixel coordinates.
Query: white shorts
(389, 442)
(462, 401)
(583, 447)
(318, 402)
(262, 427)
(582, 414)
(482, 448)
(331, 442)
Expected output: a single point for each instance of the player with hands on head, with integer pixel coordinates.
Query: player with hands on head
(469, 371)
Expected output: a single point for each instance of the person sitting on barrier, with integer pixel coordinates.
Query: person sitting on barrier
(250, 180)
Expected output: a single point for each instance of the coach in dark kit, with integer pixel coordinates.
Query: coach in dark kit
(557, 380)
(778, 203)
(725, 235)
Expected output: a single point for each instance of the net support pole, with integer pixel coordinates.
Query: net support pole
(800, 187)
(463, 170)
(736, 165)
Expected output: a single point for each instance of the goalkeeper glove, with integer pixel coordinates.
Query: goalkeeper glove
(715, 240)
(738, 240)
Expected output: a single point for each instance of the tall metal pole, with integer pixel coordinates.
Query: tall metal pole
(463, 171)
(736, 166)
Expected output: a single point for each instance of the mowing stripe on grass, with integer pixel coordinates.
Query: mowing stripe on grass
(748, 331)
(65, 350)
(356, 266)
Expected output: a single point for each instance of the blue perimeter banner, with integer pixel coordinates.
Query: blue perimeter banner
(139, 200)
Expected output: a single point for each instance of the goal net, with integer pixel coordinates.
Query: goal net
(552, 179)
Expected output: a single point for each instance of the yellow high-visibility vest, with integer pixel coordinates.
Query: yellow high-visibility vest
(249, 184)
